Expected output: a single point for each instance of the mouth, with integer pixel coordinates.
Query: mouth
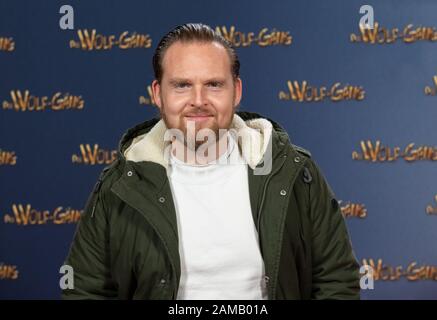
(198, 117)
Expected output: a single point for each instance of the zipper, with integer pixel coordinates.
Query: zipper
(266, 278)
(264, 193)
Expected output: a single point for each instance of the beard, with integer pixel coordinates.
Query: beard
(196, 134)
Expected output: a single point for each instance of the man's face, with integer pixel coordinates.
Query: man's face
(197, 85)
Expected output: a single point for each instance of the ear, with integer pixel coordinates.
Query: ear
(156, 93)
(238, 91)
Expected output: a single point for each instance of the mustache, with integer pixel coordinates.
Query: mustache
(199, 113)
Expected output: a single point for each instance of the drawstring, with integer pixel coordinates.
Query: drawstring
(307, 175)
(96, 190)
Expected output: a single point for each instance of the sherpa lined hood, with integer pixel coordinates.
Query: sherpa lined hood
(145, 142)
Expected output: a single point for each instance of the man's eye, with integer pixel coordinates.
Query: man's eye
(182, 85)
(215, 84)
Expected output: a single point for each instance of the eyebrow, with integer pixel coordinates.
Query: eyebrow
(182, 80)
(177, 80)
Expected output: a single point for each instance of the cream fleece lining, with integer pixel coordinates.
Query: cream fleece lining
(255, 136)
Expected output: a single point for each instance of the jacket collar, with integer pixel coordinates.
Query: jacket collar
(255, 133)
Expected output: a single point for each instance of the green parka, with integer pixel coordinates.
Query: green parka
(126, 243)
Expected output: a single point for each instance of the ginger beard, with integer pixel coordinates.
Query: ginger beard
(198, 128)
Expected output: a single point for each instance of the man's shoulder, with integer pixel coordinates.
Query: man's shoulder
(301, 150)
(310, 169)
(108, 176)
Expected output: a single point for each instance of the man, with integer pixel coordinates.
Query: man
(207, 202)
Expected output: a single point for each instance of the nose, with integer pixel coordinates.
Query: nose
(198, 98)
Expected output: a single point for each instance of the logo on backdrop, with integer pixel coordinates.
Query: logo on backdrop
(303, 92)
(382, 35)
(356, 210)
(263, 38)
(432, 90)
(7, 44)
(8, 271)
(413, 272)
(24, 101)
(90, 40)
(376, 152)
(7, 158)
(94, 155)
(432, 209)
(25, 215)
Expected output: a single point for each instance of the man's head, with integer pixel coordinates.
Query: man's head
(196, 79)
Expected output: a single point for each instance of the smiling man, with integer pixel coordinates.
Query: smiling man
(209, 203)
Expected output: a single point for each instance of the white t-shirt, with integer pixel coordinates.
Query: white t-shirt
(218, 241)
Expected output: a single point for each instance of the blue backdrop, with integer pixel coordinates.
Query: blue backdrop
(390, 206)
